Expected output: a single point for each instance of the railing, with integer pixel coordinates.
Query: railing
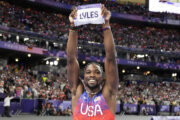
(31, 106)
(62, 54)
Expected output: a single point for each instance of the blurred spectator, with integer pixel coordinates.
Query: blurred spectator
(50, 110)
(7, 105)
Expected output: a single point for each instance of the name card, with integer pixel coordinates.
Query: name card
(89, 14)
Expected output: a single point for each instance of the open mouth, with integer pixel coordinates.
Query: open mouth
(92, 81)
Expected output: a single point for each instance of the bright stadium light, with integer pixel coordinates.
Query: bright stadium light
(148, 72)
(55, 62)
(140, 56)
(174, 74)
(17, 37)
(17, 60)
(137, 67)
(26, 39)
(84, 62)
(51, 63)
(55, 44)
(29, 55)
(58, 59)
(123, 71)
(47, 62)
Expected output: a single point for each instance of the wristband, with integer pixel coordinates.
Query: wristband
(73, 28)
(106, 28)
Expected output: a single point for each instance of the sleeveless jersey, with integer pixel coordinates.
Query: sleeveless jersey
(94, 108)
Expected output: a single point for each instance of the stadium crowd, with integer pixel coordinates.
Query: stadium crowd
(28, 84)
(149, 93)
(50, 24)
(25, 83)
(128, 36)
(125, 35)
(125, 8)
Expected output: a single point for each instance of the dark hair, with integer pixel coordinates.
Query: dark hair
(91, 63)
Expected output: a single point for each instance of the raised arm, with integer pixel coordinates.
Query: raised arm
(72, 63)
(111, 70)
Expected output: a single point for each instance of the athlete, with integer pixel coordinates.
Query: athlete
(93, 98)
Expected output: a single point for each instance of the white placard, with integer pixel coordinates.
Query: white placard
(89, 14)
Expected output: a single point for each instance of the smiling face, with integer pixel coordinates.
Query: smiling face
(93, 76)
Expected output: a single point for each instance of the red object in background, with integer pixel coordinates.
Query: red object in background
(29, 48)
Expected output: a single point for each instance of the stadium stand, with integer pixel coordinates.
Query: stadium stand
(34, 28)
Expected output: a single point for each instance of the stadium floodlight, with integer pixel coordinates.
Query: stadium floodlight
(17, 37)
(51, 63)
(26, 39)
(123, 71)
(55, 44)
(174, 74)
(17, 60)
(147, 72)
(57, 58)
(137, 67)
(84, 62)
(55, 62)
(47, 43)
(47, 62)
(29, 55)
(140, 56)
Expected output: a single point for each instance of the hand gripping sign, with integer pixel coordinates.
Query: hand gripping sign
(89, 14)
